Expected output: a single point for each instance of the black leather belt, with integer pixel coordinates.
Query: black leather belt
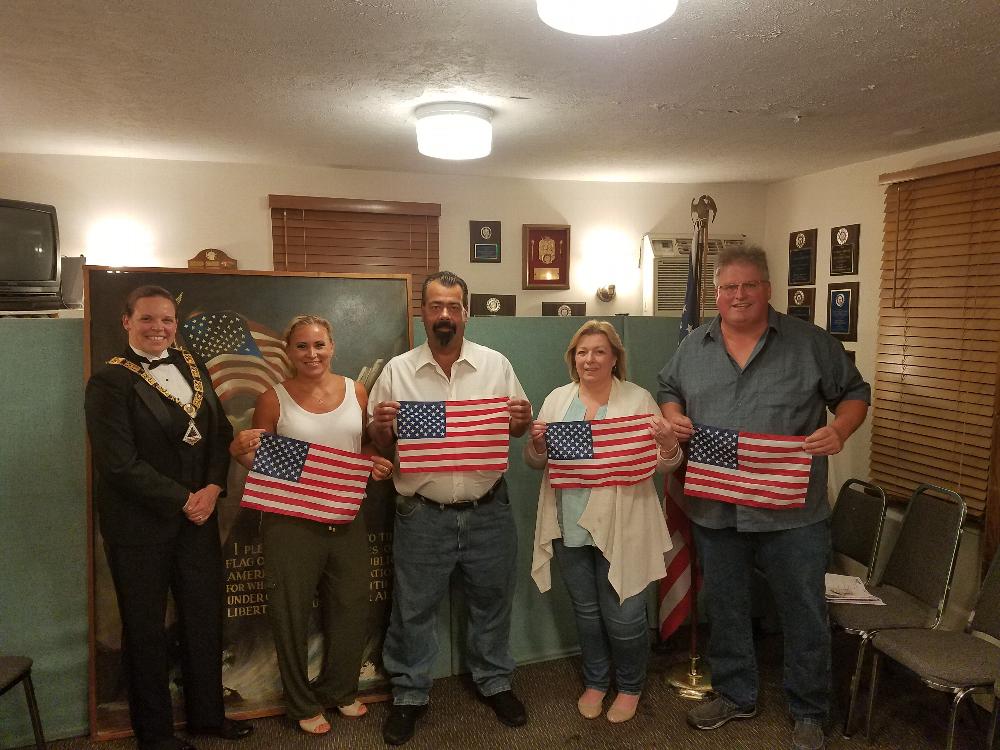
(464, 504)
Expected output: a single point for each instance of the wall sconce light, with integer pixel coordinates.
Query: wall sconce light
(454, 130)
(607, 293)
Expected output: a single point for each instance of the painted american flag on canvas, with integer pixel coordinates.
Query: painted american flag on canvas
(470, 435)
(308, 480)
(600, 453)
(746, 468)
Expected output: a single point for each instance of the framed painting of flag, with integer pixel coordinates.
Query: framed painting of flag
(233, 322)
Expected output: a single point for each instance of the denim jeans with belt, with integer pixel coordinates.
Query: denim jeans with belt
(794, 562)
(428, 544)
(608, 631)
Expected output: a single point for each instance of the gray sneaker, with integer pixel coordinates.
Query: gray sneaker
(808, 735)
(714, 714)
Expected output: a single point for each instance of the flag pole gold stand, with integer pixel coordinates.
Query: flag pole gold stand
(690, 681)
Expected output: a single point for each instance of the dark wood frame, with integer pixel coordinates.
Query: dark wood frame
(476, 240)
(809, 302)
(531, 264)
(854, 236)
(853, 287)
(807, 248)
(104, 726)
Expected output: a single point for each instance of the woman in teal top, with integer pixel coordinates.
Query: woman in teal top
(607, 541)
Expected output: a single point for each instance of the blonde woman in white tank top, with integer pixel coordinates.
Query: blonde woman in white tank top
(303, 558)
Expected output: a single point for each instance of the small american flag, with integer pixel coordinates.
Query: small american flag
(745, 468)
(470, 435)
(308, 480)
(241, 356)
(600, 453)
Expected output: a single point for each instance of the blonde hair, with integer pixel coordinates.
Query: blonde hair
(594, 327)
(307, 320)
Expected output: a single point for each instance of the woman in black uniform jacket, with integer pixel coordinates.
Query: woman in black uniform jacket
(159, 441)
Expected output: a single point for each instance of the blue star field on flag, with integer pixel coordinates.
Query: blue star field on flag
(280, 457)
(418, 420)
(211, 334)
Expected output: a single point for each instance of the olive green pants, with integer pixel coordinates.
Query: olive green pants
(304, 560)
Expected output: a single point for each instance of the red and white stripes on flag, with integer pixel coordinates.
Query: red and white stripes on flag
(469, 435)
(307, 480)
(619, 451)
(676, 589)
(746, 468)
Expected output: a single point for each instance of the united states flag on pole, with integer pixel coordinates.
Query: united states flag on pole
(745, 468)
(308, 480)
(600, 453)
(241, 356)
(676, 592)
(471, 435)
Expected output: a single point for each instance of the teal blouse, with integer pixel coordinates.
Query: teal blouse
(572, 503)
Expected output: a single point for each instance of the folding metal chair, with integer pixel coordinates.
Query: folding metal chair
(15, 669)
(916, 580)
(856, 525)
(952, 662)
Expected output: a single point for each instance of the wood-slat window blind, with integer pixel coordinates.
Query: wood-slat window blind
(342, 235)
(939, 335)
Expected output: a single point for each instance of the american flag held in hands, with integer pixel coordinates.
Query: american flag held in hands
(308, 480)
(612, 452)
(470, 435)
(745, 468)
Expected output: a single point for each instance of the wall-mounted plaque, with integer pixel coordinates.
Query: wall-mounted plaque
(845, 244)
(564, 309)
(546, 256)
(802, 303)
(492, 305)
(842, 310)
(484, 241)
(850, 355)
(802, 257)
(212, 257)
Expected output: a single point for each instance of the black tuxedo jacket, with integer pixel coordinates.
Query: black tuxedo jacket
(144, 470)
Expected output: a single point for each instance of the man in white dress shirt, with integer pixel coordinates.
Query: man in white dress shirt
(448, 520)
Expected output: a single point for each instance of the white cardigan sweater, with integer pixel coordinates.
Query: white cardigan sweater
(626, 522)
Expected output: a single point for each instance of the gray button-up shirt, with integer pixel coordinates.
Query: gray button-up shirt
(795, 372)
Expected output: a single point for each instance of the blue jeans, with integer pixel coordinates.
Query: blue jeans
(608, 630)
(429, 543)
(794, 562)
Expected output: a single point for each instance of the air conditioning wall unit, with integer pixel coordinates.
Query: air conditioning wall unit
(665, 259)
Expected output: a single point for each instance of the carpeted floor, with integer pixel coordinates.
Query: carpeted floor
(908, 717)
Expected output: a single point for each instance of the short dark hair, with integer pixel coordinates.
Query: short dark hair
(445, 278)
(148, 290)
(752, 255)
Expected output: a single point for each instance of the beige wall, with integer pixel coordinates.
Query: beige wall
(187, 206)
(852, 195)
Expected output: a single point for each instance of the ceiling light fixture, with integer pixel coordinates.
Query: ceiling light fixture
(605, 17)
(454, 130)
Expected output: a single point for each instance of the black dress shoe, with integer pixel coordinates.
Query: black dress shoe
(230, 729)
(398, 728)
(507, 708)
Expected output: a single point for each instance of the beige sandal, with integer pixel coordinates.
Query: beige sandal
(315, 725)
(353, 711)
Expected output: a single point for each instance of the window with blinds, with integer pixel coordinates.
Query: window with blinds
(939, 331)
(342, 235)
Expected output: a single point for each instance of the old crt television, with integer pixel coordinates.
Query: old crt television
(29, 256)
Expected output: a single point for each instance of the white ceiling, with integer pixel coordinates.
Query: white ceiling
(727, 90)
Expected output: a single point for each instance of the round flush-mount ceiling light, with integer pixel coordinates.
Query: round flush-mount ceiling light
(454, 130)
(605, 17)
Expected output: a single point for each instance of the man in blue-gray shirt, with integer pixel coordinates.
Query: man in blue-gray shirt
(753, 369)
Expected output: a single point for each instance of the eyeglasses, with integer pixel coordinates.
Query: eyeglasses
(747, 287)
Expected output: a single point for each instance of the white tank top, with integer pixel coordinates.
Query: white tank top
(340, 428)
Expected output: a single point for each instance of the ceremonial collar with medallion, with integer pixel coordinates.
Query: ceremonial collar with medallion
(190, 409)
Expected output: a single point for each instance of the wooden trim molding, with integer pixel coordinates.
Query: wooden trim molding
(934, 170)
(308, 203)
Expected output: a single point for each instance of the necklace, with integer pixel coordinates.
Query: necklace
(191, 435)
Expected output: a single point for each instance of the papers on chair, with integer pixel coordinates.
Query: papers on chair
(848, 590)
